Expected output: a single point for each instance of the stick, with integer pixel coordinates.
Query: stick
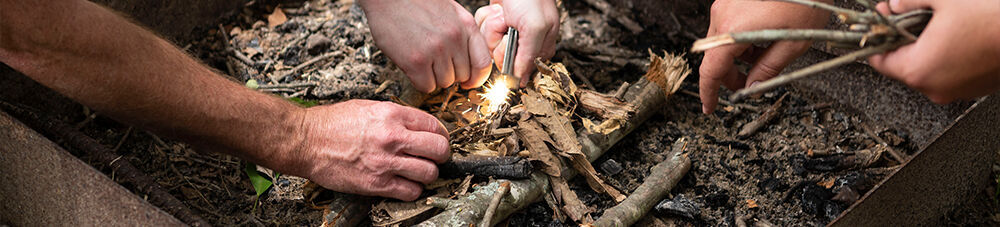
(288, 85)
(844, 14)
(895, 154)
(663, 177)
(813, 69)
(311, 61)
(232, 50)
(778, 34)
(760, 122)
(506, 167)
(620, 93)
(492, 209)
(126, 172)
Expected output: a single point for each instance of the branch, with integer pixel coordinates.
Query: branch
(813, 69)
(662, 178)
(778, 34)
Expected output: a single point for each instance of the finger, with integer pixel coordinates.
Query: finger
(417, 120)
(902, 6)
(486, 12)
(416, 169)
(493, 30)
(420, 76)
(774, 60)
(479, 61)
(444, 71)
(883, 8)
(530, 40)
(426, 145)
(400, 188)
(894, 63)
(716, 66)
(461, 62)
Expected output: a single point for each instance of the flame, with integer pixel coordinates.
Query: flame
(494, 94)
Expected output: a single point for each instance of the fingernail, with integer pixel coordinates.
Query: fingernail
(754, 84)
(705, 109)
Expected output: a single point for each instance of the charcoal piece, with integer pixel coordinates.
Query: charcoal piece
(717, 199)
(288, 26)
(680, 206)
(855, 180)
(825, 164)
(772, 184)
(832, 210)
(813, 199)
(611, 167)
(846, 195)
(507, 167)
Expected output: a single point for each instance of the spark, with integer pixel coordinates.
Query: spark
(495, 93)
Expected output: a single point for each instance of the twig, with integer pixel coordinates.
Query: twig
(312, 61)
(451, 92)
(229, 46)
(662, 178)
(620, 93)
(492, 209)
(766, 117)
(122, 141)
(383, 86)
(844, 14)
(871, 133)
(769, 35)
(813, 69)
(288, 85)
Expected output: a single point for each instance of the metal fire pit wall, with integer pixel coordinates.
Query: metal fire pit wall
(956, 144)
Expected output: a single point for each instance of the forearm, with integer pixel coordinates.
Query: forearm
(100, 59)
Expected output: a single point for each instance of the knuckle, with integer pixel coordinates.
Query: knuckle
(417, 58)
(768, 70)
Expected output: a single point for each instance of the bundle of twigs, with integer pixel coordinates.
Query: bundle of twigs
(870, 30)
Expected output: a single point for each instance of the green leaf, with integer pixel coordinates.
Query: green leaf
(260, 183)
(252, 84)
(304, 103)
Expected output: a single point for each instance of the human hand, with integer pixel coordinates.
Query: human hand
(957, 54)
(435, 42)
(728, 16)
(373, 148)
(537, 23)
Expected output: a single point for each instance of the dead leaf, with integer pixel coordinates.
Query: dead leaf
(276, 18)
(534, 139)
(561, 131)
(388, 213)
(752, 204)
(574, 208)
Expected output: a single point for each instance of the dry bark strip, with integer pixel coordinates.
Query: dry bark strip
(662, 178)
(347, 210)
(561, 130)
(535, 138)
(648, 96)
(125, 172)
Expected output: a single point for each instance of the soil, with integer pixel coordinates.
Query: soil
(768, 176)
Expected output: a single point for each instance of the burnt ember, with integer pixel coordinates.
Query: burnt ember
(679, 206)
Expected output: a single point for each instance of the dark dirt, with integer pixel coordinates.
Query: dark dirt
(766, 176)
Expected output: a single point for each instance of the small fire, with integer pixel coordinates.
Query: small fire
(494, 94)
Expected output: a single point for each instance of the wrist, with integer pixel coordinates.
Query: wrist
(285, 151)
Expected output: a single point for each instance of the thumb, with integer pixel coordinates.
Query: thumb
(774, 60)
(902, 6)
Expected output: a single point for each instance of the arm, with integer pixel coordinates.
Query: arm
(717, 66)
(955, 57)
(100, 59)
